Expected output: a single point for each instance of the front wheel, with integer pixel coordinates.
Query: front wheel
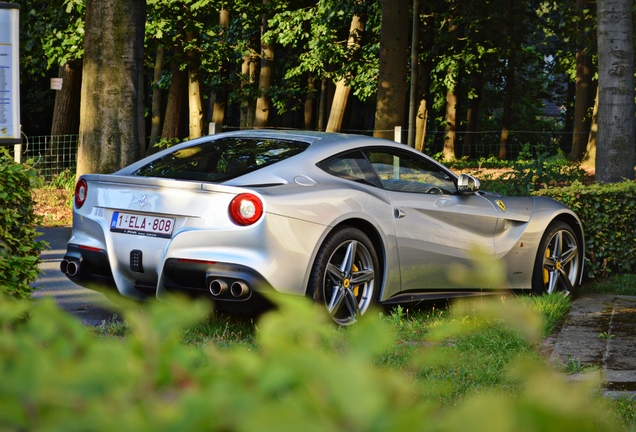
(558, 264)
(345, 274)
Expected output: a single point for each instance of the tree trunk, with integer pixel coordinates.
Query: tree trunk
(472, 116)
(66, 112)
(392, 80)
(582, 103)
(413, 96)
(220, 96)
(265, 77)
(175, 118)
(155, 123)
(423, 89)
(310, 101)
(590, 153)
(322, 106)
(341, 96)
(584, 92)
(248, 70)
(450, 125)
(112, 126)
(195, 106)
(566, 141)
(615, 144)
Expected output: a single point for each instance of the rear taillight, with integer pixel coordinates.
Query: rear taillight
(81, 191)
(246, 209)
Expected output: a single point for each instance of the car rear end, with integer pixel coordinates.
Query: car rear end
(151, 231)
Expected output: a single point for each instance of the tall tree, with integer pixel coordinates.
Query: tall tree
(112, 138)
(266, 75)
(615, 141)
(219, 99)
(343, 88)
(195, 104)
(155, 112)
(392, 80)
(584, 90)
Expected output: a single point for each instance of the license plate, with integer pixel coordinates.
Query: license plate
(151, 226)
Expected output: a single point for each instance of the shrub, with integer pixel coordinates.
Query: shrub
(304, 374)
(607, 212)
(19, 251)
(528, 174)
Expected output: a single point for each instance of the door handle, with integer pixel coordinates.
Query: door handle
(399, 213)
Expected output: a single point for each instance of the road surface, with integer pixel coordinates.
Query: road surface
(89, 306)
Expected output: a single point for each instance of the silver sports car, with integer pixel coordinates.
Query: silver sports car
(349, 221)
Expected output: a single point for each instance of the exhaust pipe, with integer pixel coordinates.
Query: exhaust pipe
(72, 268)
(239, 289)
(217, 287)
(69, 267)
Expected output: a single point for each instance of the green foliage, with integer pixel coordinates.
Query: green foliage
(607, 214)
(19, 251)
(574, 366)
(620, 284)
(64, 180)
(529, 174)
(303, 374)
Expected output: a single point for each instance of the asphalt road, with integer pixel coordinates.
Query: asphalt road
(89, 306)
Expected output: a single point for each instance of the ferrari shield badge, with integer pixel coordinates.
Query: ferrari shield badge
(501, 205)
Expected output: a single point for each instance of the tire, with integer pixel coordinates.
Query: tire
(557, 266)
(344, 277)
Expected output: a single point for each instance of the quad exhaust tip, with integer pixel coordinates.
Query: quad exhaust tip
(217, 287)
(239, 289)
(69, 267)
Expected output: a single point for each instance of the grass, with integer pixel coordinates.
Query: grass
(624, 284)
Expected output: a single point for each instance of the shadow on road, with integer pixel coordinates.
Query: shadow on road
(91, 307)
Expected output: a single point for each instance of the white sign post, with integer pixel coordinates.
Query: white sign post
(10, 75)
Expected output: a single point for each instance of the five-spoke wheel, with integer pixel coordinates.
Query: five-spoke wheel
(558, 262)
(344, 275)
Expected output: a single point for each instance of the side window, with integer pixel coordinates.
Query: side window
(351, 166)
(404, 172)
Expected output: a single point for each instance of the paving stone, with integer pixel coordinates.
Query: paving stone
(601, 330)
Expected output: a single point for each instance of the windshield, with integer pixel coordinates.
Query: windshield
(221, 160)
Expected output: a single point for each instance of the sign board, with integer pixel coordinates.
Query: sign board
(9, 74)
(56, 83)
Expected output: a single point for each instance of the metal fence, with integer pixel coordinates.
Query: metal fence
(54, 154)
(51, 155)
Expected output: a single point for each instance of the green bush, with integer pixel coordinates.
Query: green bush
(528, 174)
(608, 215)
(302, 374)
(19, 250)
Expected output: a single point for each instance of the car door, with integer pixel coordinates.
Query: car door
(437, 230)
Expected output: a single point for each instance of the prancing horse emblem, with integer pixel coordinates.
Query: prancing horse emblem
(143, 201)
(500, 203)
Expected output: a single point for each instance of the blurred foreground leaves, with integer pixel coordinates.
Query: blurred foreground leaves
(304, 374)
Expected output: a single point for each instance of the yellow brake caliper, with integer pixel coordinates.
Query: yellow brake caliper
(357, 287)
(546, 275)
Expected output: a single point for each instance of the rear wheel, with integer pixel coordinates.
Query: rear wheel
(558, 264)
(343, 277)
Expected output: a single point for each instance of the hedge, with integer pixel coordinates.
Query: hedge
(19, 250)
(302, 375)
(608, 215)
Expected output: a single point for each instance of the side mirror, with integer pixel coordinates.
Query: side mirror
(467, 184)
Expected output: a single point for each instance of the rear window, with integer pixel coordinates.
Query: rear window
(221, 160)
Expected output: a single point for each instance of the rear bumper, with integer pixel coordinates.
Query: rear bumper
(88, 267)
(233, 288)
